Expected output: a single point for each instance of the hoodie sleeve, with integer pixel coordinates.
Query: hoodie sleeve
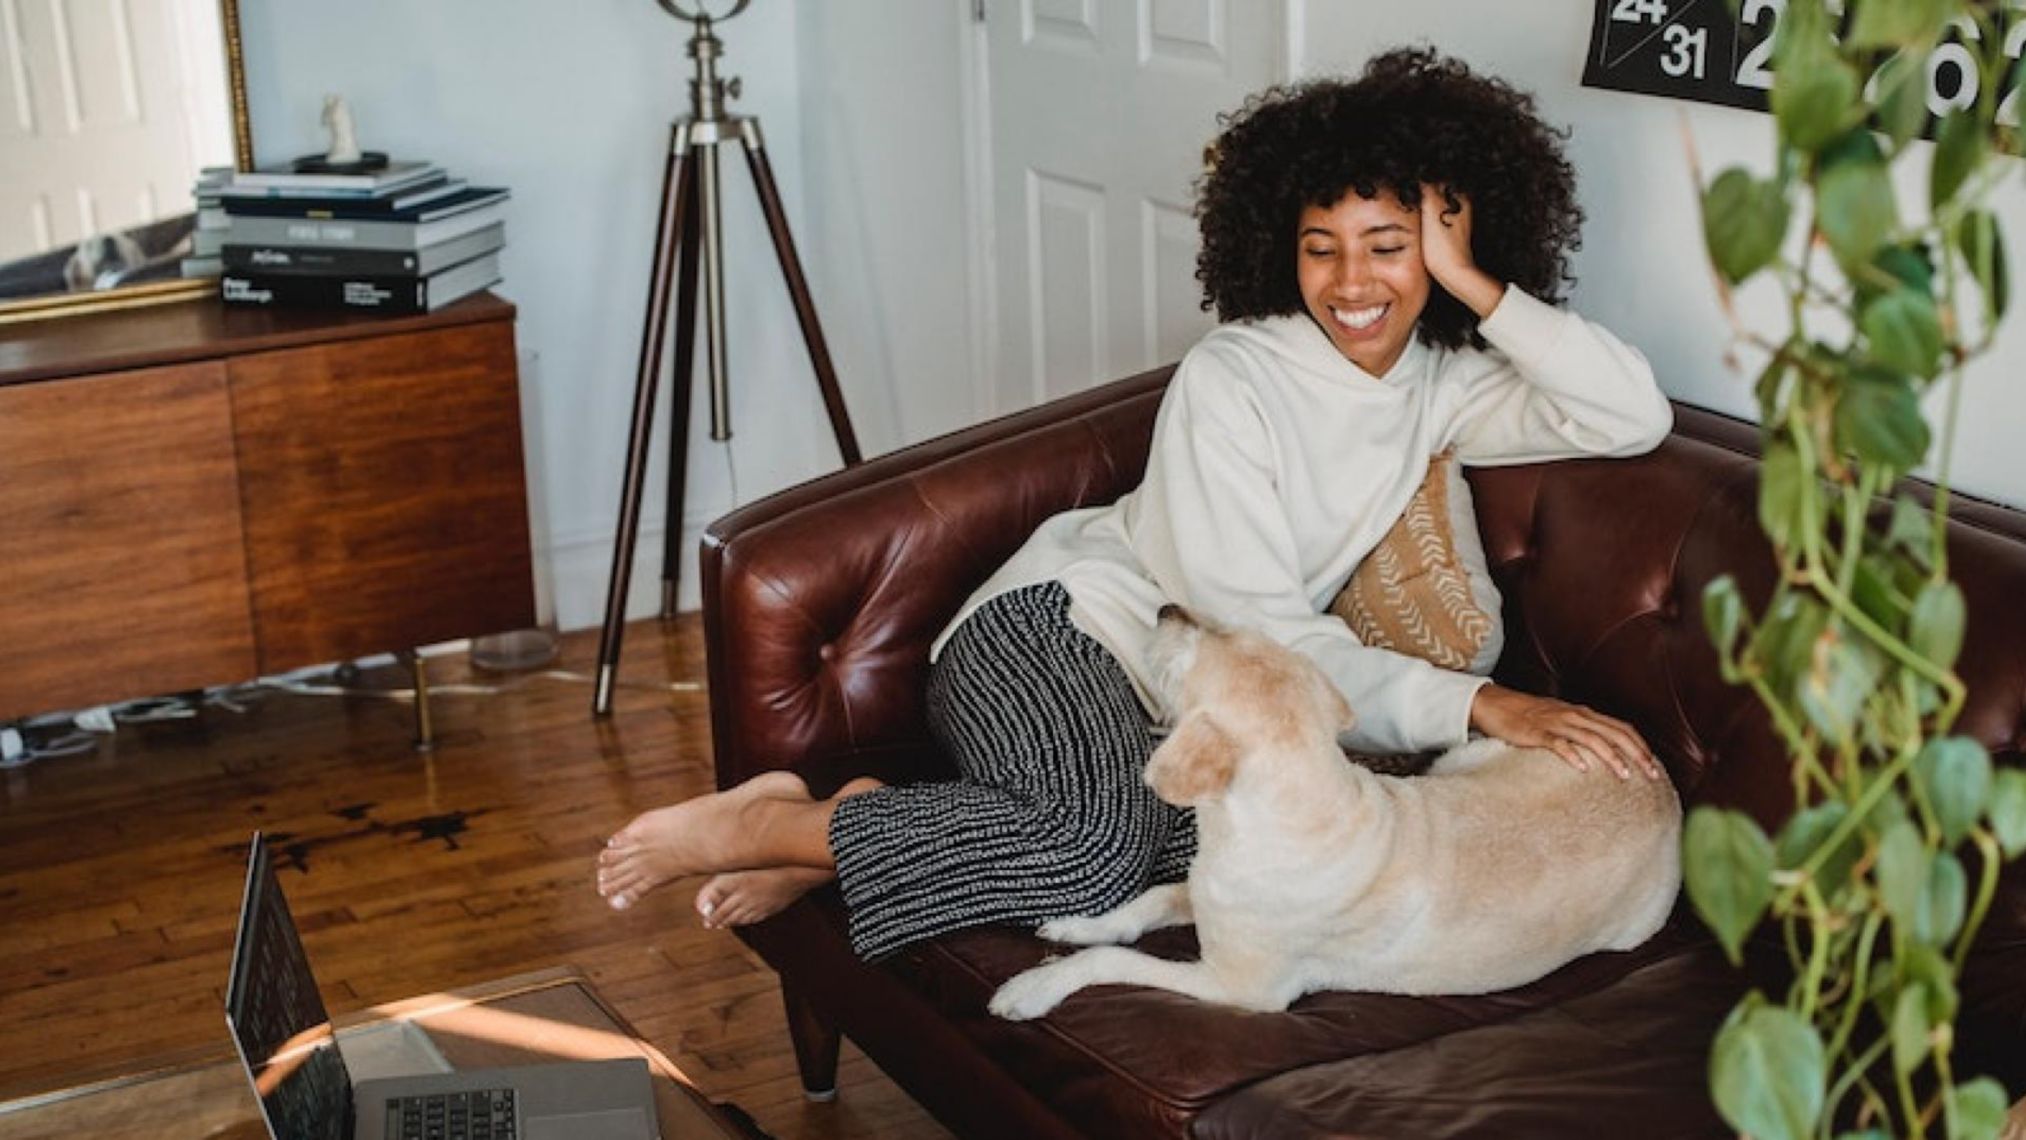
(1555, 387)
(1208, 525)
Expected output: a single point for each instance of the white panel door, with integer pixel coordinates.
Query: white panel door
(1098, 114)
(100, 110)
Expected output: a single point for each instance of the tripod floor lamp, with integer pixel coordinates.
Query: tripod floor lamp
(688, 245)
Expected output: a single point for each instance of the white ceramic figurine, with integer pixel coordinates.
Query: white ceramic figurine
(344, 137)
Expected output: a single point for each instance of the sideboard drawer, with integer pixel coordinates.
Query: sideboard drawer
(122, 555)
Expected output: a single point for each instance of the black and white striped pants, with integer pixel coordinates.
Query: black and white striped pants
(1049, 817)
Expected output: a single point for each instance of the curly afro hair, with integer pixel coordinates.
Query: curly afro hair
(1413, 117)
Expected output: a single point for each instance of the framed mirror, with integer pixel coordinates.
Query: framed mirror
(110, 112)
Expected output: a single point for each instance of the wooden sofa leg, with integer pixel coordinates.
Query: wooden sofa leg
(816, 1040)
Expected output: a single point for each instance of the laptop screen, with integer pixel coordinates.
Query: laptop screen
(278, 1020)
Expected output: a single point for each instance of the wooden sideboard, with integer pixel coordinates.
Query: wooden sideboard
(192, 495)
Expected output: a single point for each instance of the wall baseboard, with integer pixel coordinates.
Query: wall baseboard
(579, 568)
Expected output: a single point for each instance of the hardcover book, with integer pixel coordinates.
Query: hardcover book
(338, 261)
(431, 207)
(413, 194)
(379, 294)
(349, 234)
(393, 174)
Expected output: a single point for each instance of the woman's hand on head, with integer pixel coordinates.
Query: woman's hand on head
(1584, 738)
(1445, 250)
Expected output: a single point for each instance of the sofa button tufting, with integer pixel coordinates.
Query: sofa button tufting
(828, 652)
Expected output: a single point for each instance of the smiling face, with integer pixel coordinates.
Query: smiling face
(1361, 276)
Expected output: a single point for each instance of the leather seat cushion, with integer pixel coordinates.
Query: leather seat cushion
(1114, 1059)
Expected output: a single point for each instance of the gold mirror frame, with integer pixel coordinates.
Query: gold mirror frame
(159, 292)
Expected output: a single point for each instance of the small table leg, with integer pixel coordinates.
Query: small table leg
(425, 736)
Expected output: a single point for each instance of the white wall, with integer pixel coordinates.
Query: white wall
(1642, 269)
(569, 105)
(864, 105)
(889, 235)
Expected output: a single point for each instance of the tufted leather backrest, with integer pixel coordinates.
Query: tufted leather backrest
(821, 602)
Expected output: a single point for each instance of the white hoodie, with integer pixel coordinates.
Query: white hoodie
(1277, 465)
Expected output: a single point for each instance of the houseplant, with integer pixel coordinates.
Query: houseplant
(1878, 882)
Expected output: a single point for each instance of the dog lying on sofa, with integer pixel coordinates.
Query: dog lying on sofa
(1499, 866)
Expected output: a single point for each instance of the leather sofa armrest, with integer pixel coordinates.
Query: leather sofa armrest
(820, 603)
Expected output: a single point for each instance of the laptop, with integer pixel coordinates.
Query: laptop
(285, 1041)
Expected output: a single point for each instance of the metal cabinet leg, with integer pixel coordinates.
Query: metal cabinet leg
(425, 735)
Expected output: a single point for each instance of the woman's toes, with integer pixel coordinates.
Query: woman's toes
(708, 902)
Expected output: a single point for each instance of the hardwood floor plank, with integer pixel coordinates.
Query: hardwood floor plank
(120, 874)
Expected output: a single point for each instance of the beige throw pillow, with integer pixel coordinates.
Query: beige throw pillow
(1426, 589)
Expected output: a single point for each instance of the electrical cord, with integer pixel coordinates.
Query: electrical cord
(58, 735)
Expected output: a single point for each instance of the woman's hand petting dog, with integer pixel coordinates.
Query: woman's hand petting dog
(1580, 736)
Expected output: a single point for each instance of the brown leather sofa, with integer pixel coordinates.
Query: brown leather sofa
(820, 604)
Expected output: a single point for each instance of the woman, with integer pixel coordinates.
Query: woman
(1385, 254)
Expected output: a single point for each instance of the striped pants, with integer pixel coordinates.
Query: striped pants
(1049, 816)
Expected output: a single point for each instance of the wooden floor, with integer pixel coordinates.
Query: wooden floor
(120, 875)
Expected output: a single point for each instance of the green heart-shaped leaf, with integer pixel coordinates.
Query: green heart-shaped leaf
(1955, 774)
(1910, 1028)
(1984, 252)
(1723, 610)
(1727, 865)
(1935, 630)
(1767, 1074)
(1977, 1109)
(1904, 331)
(1856, 209)
(2008, 811)
(1812, 100)
(1960, 147)
(1806, 832)
(1902, 98)
(1782, 482)
(1744, 220)
(1902, 872)
(1942, 901)
(1878, 419)
(1935, 974)
(1841, 673)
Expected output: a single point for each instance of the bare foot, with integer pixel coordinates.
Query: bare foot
(741, 898)
(693, 837)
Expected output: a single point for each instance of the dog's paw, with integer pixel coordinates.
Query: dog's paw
(1078, 931)
(1031, 994)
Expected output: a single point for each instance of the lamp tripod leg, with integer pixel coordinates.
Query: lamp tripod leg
(683, 377)
(674, 195)
(798, 292)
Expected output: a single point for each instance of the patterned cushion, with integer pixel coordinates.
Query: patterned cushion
(1425, 590)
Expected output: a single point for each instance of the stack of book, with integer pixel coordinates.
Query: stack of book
(207, 236)
(406, 238)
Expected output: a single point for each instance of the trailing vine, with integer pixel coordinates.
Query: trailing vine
(1877, 884)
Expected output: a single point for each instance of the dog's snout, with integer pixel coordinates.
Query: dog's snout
(1170, 613)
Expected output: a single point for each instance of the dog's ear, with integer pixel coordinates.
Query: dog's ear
(1195, 763)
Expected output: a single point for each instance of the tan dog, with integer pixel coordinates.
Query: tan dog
(1498, 866)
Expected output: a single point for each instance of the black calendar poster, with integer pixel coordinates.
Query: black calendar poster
(1696, 49)
(1684, 49)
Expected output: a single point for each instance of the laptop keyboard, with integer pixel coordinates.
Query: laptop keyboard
(483, 1114)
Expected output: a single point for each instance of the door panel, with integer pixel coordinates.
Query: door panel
(96, 129)
(1099, 112)
(1066, 247)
